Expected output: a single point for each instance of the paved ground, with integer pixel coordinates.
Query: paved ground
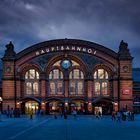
(82, 128)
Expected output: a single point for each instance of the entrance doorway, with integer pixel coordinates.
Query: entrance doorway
(78, 105)
(29, 105)
(104, 106)
(55, 106)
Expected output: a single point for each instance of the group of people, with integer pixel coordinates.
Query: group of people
(115, 116)
(12, 113)
(122, 115)
(64, 113)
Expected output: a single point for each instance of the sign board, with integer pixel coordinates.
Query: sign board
(126, 91)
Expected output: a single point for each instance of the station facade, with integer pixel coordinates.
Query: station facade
(67, 74)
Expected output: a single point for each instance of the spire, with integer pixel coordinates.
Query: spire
(9, 52)
(124, 53)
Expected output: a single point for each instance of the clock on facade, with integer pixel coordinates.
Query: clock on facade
(125, 68)
(8, 69)
(66, 63)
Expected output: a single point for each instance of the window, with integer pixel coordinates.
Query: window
(76, 82)
(80, 87)
(101, 82)
(72, 87)
(104, 88)
(32, 82)
(28, 88)
(52, 88)
(56, 82)
(97, 88)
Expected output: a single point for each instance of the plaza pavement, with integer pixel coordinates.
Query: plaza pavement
(82, 128)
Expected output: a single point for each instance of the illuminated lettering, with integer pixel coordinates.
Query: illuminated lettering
(89, 51)
(52, 48)
(73, 48)
(84, 49)
(57, 48)
(37, 53)
(47, 50)
(94, 52)
(42, 51)
(78, 48)
(67, 48)
(62, 48)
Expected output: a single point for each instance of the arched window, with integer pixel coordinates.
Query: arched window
(101, 82)
(32, 82)
(76, 82)
(56, 82)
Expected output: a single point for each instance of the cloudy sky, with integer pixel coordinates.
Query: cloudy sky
(106, 22)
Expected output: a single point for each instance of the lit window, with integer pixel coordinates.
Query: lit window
(76, 77)
(75, 63)
(29, 88)
(95, 75)
(50, 75)
(106, 75)
(56, 82)
(60, 87)
(76, 74)
(32, 82)
(104, 88)
(97, 88)
(57, 63)
(80, 87)
(72, 87)
(82, 75)
(52, 88)
(32, 74)
(100, 73)
(35, 88)
(55, 73)
(101, 82)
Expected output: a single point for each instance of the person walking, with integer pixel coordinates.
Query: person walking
(65, 114)
(100, 114)
(113, 116)
(118, 116)
(74, 113)
(31, 114)
(132, 116)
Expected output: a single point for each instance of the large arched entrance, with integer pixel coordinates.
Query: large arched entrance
(54, 106)
(28, 104)
(79, 105)
(103, 105)
(31, 105)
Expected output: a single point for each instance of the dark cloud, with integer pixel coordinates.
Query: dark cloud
(106, 22)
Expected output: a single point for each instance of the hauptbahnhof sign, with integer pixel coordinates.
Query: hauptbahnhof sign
(65, 48)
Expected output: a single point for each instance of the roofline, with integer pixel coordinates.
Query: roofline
(66, 42)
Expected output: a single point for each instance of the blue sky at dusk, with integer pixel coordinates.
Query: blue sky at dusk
(106, 22)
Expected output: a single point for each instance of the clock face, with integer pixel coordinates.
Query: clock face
(8, 69)
(125, 68)
(66, 64)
